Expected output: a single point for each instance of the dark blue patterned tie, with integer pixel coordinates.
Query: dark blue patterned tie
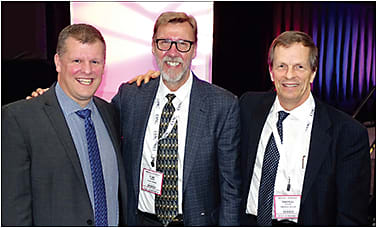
(100, 207)
(267, 183)
(166, 205)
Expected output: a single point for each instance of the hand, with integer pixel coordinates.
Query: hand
(144, 77)
(36, 93)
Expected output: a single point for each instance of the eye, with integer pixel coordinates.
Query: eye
(95, 62)
(76, 61)
(183, 43)
(164, 42)
(300, 67)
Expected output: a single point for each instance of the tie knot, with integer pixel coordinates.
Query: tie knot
(282, 116)
(170, 97)
(85, 113)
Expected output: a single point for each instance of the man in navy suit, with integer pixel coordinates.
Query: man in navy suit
(202, 137)
(322, 173)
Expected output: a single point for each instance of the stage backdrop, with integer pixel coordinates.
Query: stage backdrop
(128, 28)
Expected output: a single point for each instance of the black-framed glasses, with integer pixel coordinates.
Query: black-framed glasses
(181, 45)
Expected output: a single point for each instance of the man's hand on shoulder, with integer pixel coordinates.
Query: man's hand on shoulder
(36, 93)
(145, 77)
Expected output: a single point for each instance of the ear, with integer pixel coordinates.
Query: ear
(57, 63)
(271, 76)
(312, 76)
(194, 54)
(153, 47)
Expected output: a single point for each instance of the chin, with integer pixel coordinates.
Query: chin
(87, 94)
(172, 79)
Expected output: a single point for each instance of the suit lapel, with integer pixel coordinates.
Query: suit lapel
(259, 120)
(319, 147)
(57, 120)
(196, 121)
(142, 107)
(109, 124)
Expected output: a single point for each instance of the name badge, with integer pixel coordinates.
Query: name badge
(152, 181)
(286, 206)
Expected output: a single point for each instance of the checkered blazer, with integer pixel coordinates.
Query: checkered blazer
(211, 178)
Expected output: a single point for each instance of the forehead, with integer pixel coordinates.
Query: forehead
(73, 45)
(176, 31)
(296, 52)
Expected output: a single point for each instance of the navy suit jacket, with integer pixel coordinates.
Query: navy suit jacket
(337, 176)
(211, 178)
(42, 183)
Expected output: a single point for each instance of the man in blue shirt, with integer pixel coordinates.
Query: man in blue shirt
(52, 175)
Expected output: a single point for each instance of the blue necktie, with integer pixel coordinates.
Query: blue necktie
(269, 169)
(100, 207)
(166, 204)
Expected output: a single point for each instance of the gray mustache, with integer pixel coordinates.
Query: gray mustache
(175, 59)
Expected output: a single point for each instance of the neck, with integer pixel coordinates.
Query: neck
(83, 104)
(290, 105)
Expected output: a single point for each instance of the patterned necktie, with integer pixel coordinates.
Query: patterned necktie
(100, 207)
(166, 204)
(267, 183)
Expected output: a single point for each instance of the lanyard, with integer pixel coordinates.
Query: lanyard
(284, 148)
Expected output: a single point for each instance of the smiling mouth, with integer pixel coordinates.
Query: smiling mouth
(85, 81)
(172, 63)
(290, 85)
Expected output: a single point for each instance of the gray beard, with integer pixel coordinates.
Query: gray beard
(176, 79)
(167, 78)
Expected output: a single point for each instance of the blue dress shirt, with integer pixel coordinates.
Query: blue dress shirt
(107, 151)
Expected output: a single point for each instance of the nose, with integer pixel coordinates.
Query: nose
(290, 73)
(87, 68)
(173, 51)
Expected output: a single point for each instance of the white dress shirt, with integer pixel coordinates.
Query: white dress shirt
(181, 104)
(293, 152)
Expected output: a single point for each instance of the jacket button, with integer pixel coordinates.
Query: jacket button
(89, 222)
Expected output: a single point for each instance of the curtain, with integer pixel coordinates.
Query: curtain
(345, 34)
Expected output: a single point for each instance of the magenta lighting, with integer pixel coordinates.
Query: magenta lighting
(128, 27)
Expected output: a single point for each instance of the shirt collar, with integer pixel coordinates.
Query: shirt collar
(301, 112)
(180, 94)
(68, 105)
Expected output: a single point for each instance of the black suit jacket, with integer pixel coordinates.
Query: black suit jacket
(41, 177)
(211, 178)
(337, 176)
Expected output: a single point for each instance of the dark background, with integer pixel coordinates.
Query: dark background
(29, 32)
(243, 32)
(345, 33)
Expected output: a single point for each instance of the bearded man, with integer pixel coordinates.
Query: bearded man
(180, 138)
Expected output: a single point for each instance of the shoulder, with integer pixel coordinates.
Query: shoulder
(127, 91)
(213, 92)
(27, 113)
(133, 88)
(131, 94)
(252, 98)
(24, 106)
(104, 106)
(339, 119)
(14, 108)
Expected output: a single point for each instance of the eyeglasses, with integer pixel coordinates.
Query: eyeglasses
(181, 45)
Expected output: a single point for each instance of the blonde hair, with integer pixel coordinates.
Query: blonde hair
(175, 17)
(82, 32)
(286, 39)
